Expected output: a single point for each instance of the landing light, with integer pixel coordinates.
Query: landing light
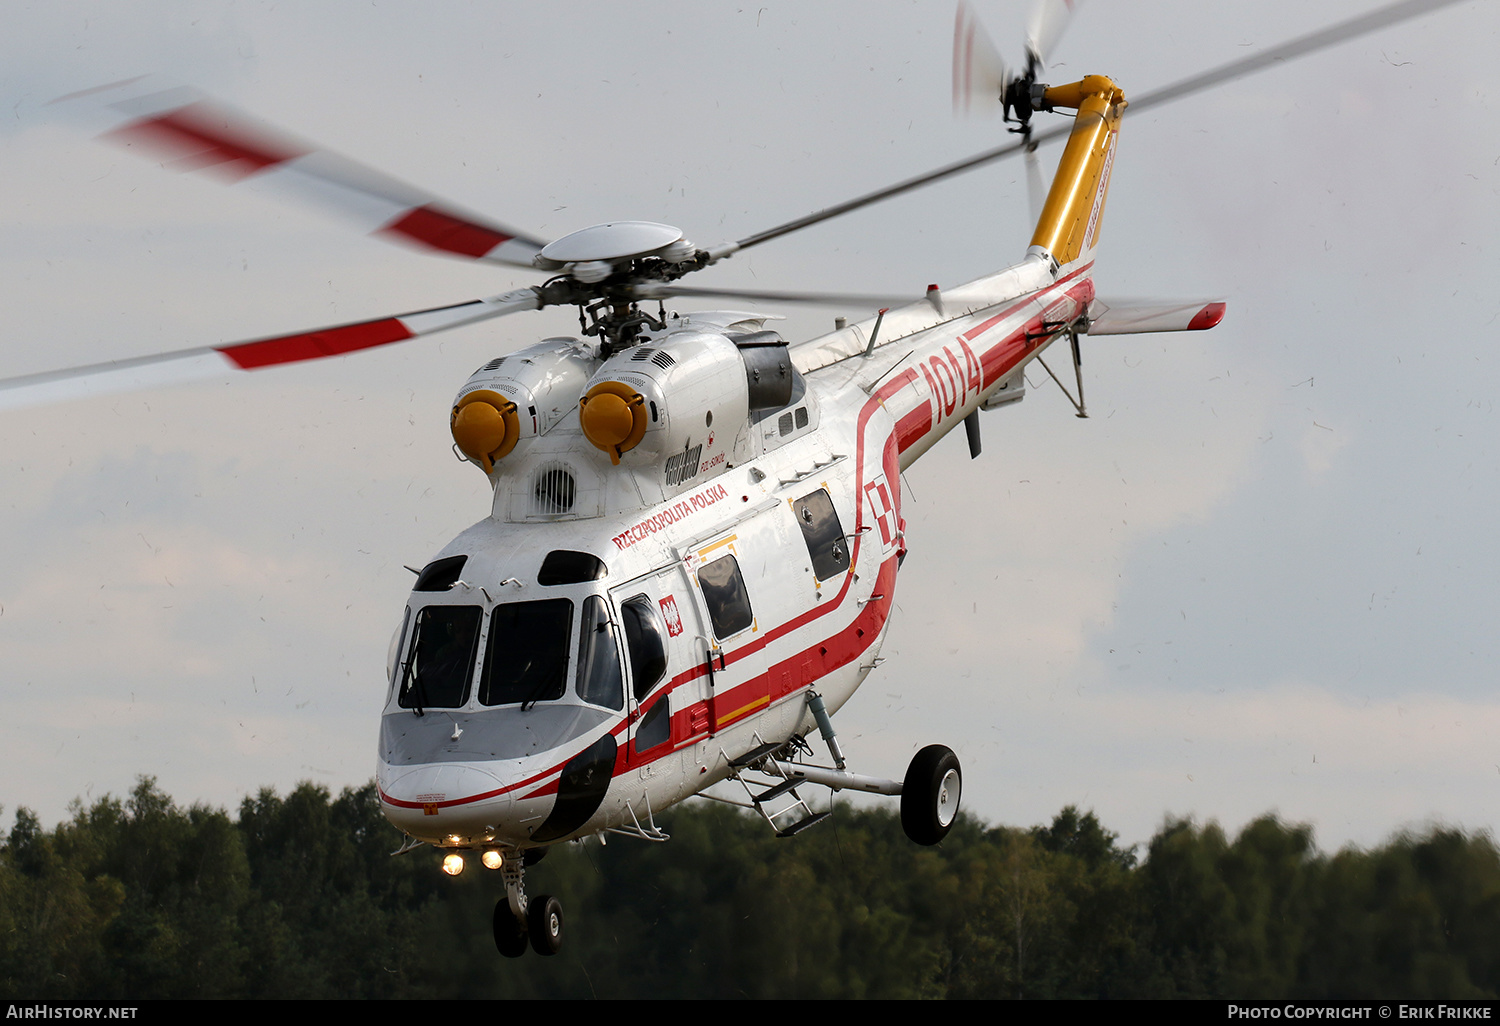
(453, 863)
(492, 859)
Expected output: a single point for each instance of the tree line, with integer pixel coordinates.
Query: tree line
(299, 897)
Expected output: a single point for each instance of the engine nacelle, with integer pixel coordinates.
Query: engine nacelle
(683, 402)
(518, 397)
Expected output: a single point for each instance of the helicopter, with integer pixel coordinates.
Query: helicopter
(637, 467)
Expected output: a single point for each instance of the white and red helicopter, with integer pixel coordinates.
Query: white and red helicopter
(696, 532)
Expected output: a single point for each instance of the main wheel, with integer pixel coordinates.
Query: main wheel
(510, 932)
(545, 920)
(929, 795)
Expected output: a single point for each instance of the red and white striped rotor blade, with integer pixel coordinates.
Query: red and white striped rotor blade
(979, 73)
(187, 132)
(153, 371)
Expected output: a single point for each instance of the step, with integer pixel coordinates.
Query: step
(801, 825)
(755, 755)
(772, 793)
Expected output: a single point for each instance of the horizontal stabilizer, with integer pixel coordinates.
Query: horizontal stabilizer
(1130, 317)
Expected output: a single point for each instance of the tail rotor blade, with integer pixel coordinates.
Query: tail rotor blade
(1049, 19)
(979, 72)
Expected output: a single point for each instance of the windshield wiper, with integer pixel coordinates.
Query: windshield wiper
(537, 694)
(418, 693)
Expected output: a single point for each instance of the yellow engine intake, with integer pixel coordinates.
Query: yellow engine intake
(613, 418)
(486, 427)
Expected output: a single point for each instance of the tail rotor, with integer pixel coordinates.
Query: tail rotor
(981, 78)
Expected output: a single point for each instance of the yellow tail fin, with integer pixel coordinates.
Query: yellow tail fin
(1069, 225)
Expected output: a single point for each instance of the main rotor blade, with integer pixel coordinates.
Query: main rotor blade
(1036, 186)
(873, 302)
(978, 160)
(188, 132)
(216, 361)
(1300, 47)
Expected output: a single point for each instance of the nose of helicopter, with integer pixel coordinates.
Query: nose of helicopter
(441, 802)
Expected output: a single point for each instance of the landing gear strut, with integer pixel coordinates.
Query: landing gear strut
(518, 920)
(929, 794)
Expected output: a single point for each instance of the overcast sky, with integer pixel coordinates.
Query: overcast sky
(1259, 578)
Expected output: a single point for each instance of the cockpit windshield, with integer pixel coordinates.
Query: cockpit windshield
(442, 658)
(526, 655)
(526, 659)
(599, 680)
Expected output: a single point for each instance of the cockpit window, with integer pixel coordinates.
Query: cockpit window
(398, 643)
(437, 672)
(646, 642)
(526, 659)
(599, 679)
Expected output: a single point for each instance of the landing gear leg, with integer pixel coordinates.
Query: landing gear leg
(510, 911)
(517, 920)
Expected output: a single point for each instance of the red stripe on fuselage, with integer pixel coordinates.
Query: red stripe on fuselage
(780, 680)
(913, 426)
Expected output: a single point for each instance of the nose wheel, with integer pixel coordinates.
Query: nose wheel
(544, 921)
(510, 932)
(517, 920)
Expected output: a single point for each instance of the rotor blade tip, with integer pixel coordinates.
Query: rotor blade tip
(1208, 317)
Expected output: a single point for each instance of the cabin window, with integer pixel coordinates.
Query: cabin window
(437, 672)
(526, 657)
(784, 424)
(823, 534)
(564, 566)
(656, 727)
(724, 594)
(801, 417)
(599, 678)
(646, 642)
